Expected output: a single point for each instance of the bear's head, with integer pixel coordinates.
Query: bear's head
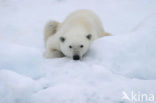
(75, 46)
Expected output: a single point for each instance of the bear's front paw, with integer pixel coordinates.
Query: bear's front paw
(53, 54)
(48, 55)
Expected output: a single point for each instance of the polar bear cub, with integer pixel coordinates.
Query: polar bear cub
(73, 37)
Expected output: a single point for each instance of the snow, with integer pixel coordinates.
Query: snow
(122, 62)
(136, 49)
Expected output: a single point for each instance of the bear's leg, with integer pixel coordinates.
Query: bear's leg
(53, 54)
(107, 34)
(50, 29)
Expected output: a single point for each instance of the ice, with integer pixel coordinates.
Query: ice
(124, 61)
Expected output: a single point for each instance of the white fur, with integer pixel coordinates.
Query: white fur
(74, 29)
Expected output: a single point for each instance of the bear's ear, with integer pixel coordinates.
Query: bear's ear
(89, 36)
(62, 39)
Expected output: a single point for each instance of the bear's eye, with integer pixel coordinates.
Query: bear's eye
(81, 46)
(70, 46)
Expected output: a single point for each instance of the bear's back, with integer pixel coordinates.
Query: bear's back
(84, 18)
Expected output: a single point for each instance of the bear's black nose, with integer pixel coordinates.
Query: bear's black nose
(76, 57)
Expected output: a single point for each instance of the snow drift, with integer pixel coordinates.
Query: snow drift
(122, 62)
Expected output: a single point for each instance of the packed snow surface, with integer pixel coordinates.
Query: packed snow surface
(124, 62)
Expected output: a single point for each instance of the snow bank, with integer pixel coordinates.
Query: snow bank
(133, 54)
(15, 88)
(21, 59)
(122, 62)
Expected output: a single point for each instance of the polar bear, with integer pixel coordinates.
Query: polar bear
(73, 37)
